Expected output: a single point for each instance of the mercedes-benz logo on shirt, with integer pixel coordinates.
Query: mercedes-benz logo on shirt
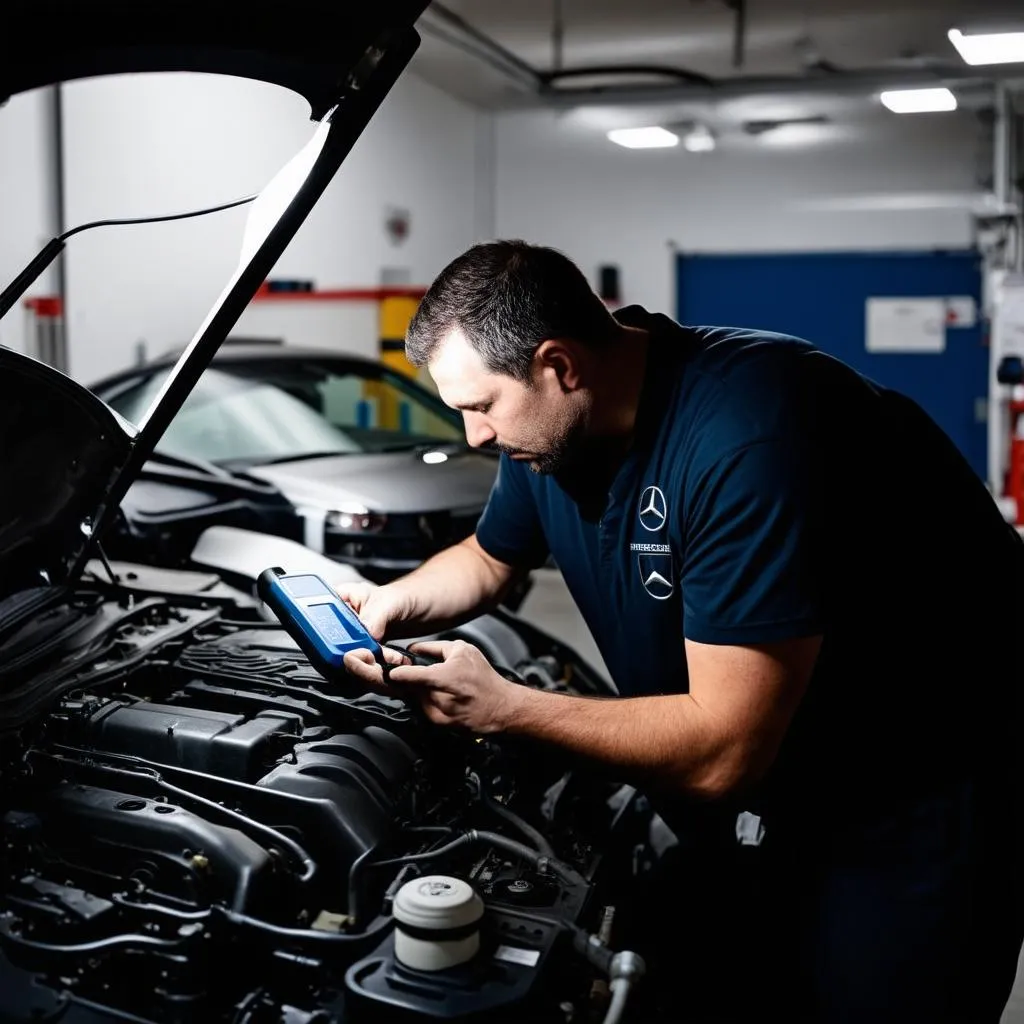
(653, 509)
(656, 575)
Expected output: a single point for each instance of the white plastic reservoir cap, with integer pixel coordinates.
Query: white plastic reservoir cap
(437, 921)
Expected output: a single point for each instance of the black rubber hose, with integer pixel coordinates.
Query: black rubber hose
(506, 814)
(362, 862)
(131, 941)
(591, 948)
(184, 916)
(541, 843)
(541, 862)
(277, 931)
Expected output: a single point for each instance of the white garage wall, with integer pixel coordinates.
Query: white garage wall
(26, 199)
(884, 184)
(142, 145)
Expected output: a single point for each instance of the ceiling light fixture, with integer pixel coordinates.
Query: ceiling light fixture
(918, 101)
(699, 139)
(989, 47)
(643, 138)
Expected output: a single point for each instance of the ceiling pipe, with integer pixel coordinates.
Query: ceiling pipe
(739, 39)
(558, 37)
(848, 82)
(541, 88)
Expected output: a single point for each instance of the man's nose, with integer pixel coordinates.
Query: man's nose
(478, 433)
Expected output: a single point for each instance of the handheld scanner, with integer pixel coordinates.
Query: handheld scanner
(320, 622)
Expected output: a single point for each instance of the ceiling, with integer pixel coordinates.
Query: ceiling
(781, 38)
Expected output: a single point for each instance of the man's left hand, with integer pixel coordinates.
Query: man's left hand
(461, 689)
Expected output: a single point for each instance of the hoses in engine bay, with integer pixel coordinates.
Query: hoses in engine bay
(139, 768)
(543, 863)
(104, 945)
(623, 969)
(499, 810)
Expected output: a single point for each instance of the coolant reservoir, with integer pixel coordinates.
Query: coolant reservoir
(437, 922)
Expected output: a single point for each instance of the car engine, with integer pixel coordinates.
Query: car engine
(194, 825)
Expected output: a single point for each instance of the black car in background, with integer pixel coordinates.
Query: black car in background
(372, 467)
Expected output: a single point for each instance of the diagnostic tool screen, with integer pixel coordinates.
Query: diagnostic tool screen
(306, 586)
(328, 623)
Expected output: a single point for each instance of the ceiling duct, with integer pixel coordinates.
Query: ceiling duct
(630, 85)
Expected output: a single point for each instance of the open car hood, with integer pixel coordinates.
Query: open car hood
(66, 460)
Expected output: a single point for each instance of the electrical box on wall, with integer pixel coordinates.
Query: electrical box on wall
(608, 284)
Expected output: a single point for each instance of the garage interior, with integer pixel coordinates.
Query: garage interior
(850, 172)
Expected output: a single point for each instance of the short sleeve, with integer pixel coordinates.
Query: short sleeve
(510, 528)
(749, 571)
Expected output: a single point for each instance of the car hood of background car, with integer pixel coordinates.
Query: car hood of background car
(394, 482)
(66, 460)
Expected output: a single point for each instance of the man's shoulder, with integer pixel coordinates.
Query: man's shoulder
(740, 386)
(730, 351)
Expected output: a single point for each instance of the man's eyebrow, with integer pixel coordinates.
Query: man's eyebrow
(473, 406)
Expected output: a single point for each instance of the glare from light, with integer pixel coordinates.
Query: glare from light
(435, 458)
(918, 101)
(353, 508)
(798, 136)
(643, 138)
(277, 196)
(989, 47)
(699, 140)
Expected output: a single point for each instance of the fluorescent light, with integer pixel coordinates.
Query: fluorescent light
(989, 47)
(699, 140)
(643, 138)
(435, 458)
(918, 101)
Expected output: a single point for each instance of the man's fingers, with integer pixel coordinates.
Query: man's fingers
(362, 665)
(361, 655)
(414, 674)
(393, 657)
(433, 648)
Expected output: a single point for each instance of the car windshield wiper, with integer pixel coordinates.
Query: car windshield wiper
(198, 465)
(305, 456)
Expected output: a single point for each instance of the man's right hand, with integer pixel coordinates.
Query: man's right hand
(380, 608)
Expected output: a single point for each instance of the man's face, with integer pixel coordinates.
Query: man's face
(540, 423)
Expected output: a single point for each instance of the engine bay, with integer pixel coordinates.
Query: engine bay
(195, 825)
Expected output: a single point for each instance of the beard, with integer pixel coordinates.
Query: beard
(558, 453)
(582, 465)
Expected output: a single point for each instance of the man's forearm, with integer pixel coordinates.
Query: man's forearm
(453, 586)
(665, 740)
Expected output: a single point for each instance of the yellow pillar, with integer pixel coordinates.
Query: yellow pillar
(394, 315)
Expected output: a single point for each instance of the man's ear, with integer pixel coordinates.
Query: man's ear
(561, 358)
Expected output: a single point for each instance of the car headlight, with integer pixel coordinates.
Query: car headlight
(352, 518)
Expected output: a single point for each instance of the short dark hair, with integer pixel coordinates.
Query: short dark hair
(507, 297)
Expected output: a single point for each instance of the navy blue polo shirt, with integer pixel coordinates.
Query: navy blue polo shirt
(771, 492)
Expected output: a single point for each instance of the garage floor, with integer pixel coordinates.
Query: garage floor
(550, 607)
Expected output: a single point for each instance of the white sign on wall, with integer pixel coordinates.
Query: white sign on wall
(905, 325)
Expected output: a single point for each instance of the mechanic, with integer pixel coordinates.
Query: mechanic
(809, 604)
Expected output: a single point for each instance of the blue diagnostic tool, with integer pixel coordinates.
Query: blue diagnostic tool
(319, 621)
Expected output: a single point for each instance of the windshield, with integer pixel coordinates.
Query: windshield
(274, 411)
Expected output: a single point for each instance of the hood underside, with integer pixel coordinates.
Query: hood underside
(309, 48)
(66, 460)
